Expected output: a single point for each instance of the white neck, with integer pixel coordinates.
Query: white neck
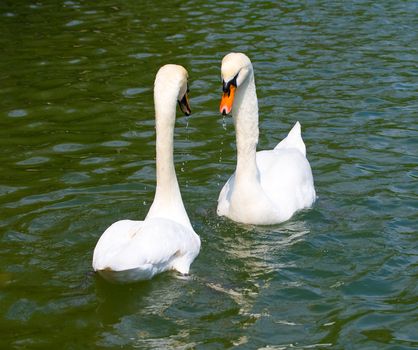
(167, 201)
(249, 202)
(245, 114)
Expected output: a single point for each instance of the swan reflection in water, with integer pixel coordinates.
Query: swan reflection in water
(256, 252)
(132, 314)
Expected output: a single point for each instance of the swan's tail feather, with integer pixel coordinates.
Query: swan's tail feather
(293, 140)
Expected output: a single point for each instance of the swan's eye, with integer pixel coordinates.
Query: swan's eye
(227, 86)
(234, 81)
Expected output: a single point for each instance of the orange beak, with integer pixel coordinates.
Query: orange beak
(227, 100)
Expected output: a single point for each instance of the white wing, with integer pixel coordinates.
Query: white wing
(145, 248)
(293, 140)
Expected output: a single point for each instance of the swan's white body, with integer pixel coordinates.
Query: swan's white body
(268, 187)
(129, 250)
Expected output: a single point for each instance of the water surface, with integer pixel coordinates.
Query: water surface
(77, 138)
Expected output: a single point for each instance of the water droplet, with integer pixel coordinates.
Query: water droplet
(224, 122)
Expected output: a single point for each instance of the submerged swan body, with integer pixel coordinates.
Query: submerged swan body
(130, 251)
(268, 187)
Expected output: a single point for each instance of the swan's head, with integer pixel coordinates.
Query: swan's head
(170, 79)
(235, 70)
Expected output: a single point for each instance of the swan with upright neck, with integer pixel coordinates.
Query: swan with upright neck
(268, 187)
(130, 251)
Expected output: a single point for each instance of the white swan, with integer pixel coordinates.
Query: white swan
(129, 250)
(268, 187)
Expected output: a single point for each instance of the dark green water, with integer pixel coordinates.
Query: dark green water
(77, 153)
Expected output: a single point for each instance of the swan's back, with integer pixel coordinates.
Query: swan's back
(286, 178)
(137, 250)
(286, 175)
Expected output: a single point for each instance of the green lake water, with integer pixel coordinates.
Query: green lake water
(77, 153)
